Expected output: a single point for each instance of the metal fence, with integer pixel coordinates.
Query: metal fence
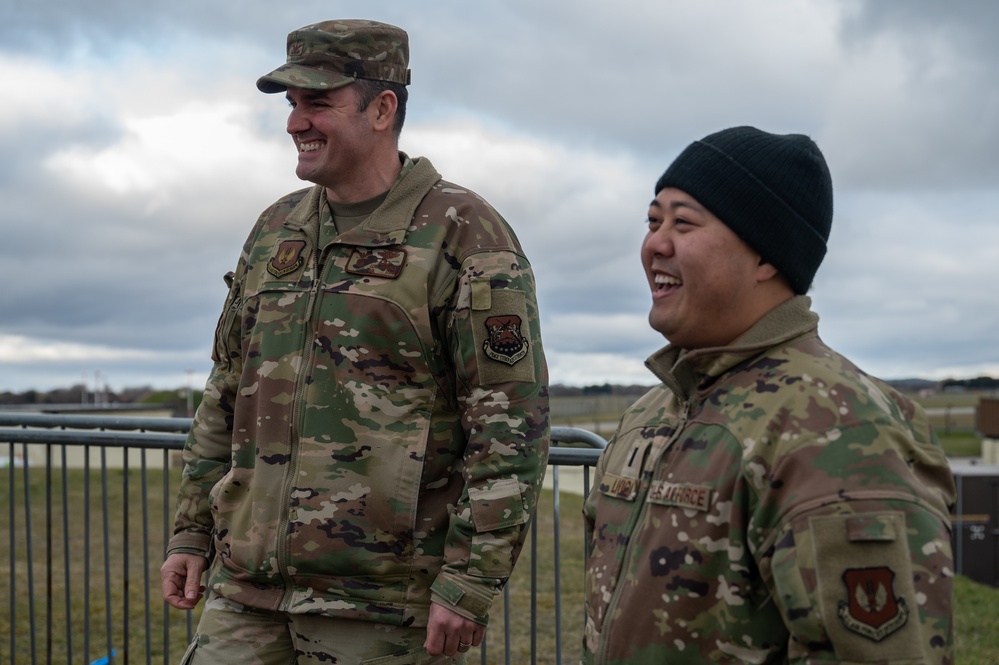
(79, 591)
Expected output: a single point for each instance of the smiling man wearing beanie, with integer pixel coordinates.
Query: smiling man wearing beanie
(768, 502)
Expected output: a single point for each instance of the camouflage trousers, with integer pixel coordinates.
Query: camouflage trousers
(231, 633)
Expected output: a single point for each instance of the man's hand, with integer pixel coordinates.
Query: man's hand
(449, 633)
(180, 576)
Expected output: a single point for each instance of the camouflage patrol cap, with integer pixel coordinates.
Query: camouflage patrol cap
(332, 54)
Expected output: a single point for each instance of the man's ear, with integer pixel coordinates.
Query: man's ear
(382, 110)
(769, 277)
(766, 271)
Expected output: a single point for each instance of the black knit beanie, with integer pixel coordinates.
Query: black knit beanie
(773, 190)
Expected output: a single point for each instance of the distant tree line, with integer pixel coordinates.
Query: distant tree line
(978, 383)
(559, 390)
(78, 394)
(75, 394)
(71, 395)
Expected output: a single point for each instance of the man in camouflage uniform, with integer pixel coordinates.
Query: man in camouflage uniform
(769, 502)
(360, 475)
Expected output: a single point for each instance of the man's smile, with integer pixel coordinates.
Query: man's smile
(310, 146)
(665, 282)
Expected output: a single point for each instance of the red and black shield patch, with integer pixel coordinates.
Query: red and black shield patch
(287, 259)
(505, 342)
(871, 608)
(386, 263)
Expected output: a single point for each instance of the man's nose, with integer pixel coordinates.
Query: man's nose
(297, 121)
(660, 241)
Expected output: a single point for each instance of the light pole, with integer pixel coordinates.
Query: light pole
(190, 395)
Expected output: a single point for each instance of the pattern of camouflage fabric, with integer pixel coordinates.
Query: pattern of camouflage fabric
(231, 633)
(359, 452)
(770, 503)
(332, 54)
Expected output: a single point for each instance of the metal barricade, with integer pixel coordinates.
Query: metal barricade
(82, 593)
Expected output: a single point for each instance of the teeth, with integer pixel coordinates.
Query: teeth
(668, 280)
(309, 147)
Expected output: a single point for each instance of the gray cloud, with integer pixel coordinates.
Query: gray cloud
(569, 111)
(924, 115)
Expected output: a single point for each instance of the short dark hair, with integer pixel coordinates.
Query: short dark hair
(368, 89)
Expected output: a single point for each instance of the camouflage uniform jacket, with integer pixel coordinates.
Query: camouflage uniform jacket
(769, 503)
(375, 428)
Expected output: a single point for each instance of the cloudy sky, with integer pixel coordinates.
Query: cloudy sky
(136, 152)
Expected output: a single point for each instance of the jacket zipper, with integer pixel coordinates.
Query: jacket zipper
(294, 429)
(600, 656)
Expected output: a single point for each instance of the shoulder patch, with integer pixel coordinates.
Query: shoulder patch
(869, 612)
(872, 609)
(505, 342)
(288, 258)
(504, 352)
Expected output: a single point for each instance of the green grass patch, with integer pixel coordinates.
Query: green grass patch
(976, 623)
(961, 444)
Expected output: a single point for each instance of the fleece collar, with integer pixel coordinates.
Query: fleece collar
(388, 224)
(683, 371)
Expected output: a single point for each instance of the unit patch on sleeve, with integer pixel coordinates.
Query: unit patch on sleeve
(867, 609)
(503, 350)
(288, 258)
(379, 262)
(871, 608)
(505, 342)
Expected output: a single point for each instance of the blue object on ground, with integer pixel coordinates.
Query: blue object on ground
(105, 660)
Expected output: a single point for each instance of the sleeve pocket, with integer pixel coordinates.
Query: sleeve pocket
(499, 506)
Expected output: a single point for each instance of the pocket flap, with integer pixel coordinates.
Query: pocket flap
(498, 506)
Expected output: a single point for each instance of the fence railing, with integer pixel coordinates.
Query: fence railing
(90, 503)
